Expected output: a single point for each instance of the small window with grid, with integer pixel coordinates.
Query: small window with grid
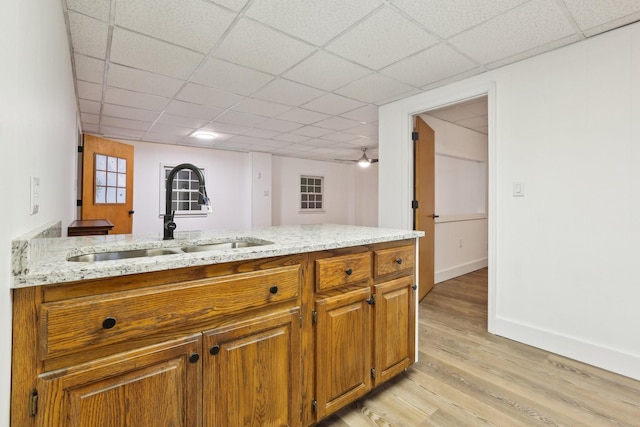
(311, 193)
(185, 191)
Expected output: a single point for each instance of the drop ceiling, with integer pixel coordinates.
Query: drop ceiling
(297, 78)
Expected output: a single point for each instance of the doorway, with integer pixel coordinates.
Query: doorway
(451, 183)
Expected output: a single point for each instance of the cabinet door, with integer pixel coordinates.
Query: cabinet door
(343, 350)
(252, 373)
(156, 386)
(394, 346)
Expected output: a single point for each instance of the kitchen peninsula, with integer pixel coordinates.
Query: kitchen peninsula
(274, 326)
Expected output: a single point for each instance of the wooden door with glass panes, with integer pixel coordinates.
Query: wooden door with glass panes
(107, 183)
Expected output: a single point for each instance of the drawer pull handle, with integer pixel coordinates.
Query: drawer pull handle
(214, 350)
(399, 261)
(194, 357)
(109, 323)
(273, 289)
(348, 271)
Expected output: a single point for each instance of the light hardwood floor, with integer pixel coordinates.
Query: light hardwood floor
(468, 377)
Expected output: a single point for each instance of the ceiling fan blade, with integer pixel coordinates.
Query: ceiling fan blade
(373, 160)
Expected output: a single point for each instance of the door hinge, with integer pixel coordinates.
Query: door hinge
(373, 373)
(314, 406)
(33, 403)
(314, 317)
(414, 204)
(80, 149)
(301, 321)
(414, 136)
(372, 300)
(78, 203)
(414, 287)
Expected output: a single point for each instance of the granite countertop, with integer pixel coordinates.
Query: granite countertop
(42, 261)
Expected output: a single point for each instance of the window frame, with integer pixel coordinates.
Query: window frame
(304, 196)
(165, 168)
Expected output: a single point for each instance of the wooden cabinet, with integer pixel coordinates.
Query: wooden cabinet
(282, 341)
(252, 373)
(364, 321)
(343, 356)
(155, 386)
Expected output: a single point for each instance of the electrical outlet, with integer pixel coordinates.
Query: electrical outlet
(34, 195)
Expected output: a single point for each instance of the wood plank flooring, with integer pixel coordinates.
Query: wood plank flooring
(468, 377)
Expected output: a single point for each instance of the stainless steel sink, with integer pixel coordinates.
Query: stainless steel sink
(116, 255)
(234, 244)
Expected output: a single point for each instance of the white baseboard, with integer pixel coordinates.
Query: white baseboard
(459, 270)
(602, 357)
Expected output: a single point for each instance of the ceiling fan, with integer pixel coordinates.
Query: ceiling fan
(364, 161)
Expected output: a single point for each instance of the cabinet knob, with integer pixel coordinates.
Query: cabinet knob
(348, 271)
(273, 289)
(194, 357)
(214, 350)
(399, 261)
(108, 323)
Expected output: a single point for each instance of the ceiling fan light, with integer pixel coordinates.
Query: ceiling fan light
(364, 161)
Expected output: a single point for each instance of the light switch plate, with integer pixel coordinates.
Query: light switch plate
(518, 189)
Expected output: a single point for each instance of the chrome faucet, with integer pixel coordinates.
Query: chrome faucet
(169, 225)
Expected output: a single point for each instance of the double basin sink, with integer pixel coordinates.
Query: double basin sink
(153, 252)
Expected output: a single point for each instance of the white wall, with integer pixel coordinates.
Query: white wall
(366, 197)
(461, 233)
(339, 191)
(227, 178)
(562, 259)
(38, 138)
(261, 192)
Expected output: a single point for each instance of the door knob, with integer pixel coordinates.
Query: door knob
(132, 212)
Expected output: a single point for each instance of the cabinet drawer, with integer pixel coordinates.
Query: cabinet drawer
(70, 325)
(342, 270)
(393, 260)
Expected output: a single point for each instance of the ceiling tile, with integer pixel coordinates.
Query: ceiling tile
(373, 88)
(256, 46)
(164, 138)
(260, 133)
(338, 137)
(98, 9)
(532, 52)
(236, 5)
(261, 108)
(125, 123)
(381, 40)
(114, 132)
(187, 109)
(326, 71)
(129, 113)
(528, 26)
(194, 24)
(91, 128)
(291, 137)
(225, 128)
(428, 66)
(132, 99)
(457, 16)
(87, 106)
(198, 94)
(231, 77)
(287, 92)
(92, 91)
(142, 81)
(300, 115)
(315, 21)
(312, 131)
(89, 69)
(368, 131)
(278, 125)
(93, 119)
(333, 104)
(337, 123)
(159, 128)
(245, 139)
(452, 114)
(138, 51)
(88, 35)
(238, 118)
(366, 114)
(187, 122)
(592, 13)
(270, 143)
(473, 122)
